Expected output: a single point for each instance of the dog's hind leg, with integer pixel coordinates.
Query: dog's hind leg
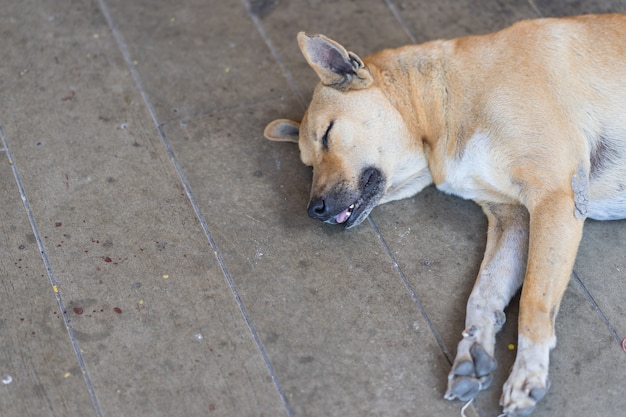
(501, 275)
(555, 233)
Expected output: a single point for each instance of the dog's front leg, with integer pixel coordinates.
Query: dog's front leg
(555, 233)
(501, 275)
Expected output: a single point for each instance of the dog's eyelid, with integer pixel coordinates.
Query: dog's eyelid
(325, 137)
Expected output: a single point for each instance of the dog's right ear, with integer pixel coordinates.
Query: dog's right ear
(282, 130)
(335, 66)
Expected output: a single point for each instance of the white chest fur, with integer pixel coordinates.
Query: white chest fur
(479, 174)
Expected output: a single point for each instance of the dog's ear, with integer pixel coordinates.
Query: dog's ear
(335, 66)
(282, 130)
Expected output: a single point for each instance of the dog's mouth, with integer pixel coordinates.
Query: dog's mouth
(371, 186)
(345, 215)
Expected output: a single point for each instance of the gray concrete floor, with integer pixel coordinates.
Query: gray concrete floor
(156, 255)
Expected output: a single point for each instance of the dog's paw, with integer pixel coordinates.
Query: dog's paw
(524, 388)
(471, 372)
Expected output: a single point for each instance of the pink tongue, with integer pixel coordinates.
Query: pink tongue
(343, 216)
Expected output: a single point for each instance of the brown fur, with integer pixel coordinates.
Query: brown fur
(530, 122)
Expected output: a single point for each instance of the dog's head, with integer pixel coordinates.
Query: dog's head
(361, 150)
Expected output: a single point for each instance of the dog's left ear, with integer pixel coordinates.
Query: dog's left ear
(335, 66)
(282, 130)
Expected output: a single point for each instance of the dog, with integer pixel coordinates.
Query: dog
(529, 122)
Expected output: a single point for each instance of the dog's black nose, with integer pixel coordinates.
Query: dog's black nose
(318, 209)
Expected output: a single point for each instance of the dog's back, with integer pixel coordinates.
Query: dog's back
(558, 88)
(586, 79)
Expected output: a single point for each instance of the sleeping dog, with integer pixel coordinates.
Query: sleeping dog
(529, 122)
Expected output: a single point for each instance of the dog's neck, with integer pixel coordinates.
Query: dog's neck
(420, 81)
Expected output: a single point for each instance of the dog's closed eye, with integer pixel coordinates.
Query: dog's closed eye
(325, 137)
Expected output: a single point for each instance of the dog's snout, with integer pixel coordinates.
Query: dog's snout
(318, 209)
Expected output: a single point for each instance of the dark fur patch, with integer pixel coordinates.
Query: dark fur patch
(603, 155)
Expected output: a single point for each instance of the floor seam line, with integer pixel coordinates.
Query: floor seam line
(418, 303)
(56, 287)
(535, 8)
(205, 228)
(411, 291)
(416, 300)
(268, 42)
(396, 14)
(597, 308)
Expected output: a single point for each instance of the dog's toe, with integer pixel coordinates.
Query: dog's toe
(519, 398)
(465, 368)
(463, 388)
(484, 364)
(517, 412)
(470, 374)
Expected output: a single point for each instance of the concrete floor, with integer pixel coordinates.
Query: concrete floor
(156, 256)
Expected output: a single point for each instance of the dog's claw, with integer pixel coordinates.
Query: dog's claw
(520, 402)
(470, 374)
(538, 393)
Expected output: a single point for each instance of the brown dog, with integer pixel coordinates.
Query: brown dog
(529, 122)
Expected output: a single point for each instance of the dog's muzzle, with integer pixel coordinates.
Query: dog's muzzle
(349, 209)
